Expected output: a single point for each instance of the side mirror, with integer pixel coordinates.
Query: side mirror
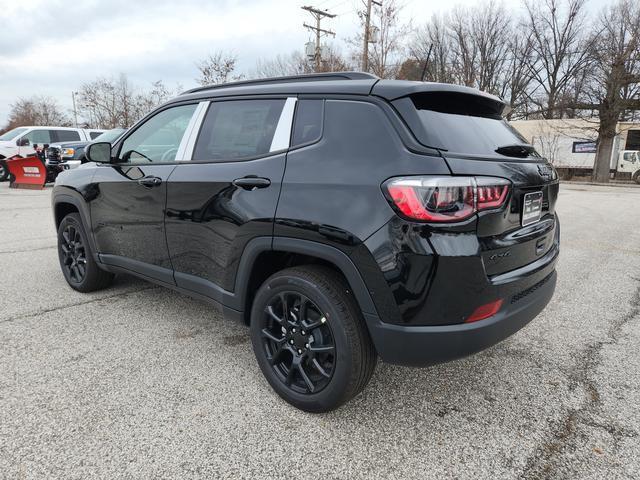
(23, 142)
(99, 152)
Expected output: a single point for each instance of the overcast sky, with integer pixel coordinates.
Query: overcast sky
(50, 47)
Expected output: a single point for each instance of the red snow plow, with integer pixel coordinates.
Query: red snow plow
(27, 172)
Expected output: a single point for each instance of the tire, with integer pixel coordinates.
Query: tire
(321, 313)
(79, 268)
(4, 171)
(636, 177)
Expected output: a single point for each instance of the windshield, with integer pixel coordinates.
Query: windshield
(11, 134)
(110, 135)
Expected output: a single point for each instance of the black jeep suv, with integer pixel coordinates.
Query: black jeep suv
(341, 216)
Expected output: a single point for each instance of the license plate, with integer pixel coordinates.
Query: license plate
(531, 208)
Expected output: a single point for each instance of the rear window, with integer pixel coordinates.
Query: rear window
(307, 127)
(67, 136)
(94, 135)
(459, 122)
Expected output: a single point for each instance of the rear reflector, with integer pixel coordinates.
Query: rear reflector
(484, 311)
(446, 199)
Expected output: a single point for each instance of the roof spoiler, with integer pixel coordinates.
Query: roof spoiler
(313, 77)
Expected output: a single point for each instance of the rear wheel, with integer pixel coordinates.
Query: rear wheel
(309, 338)
(76, 259)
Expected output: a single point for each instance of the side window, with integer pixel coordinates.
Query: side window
(307, 125)
(94, 135)
(67, 136)
(157, 139)
(238, 129)
(39, 136)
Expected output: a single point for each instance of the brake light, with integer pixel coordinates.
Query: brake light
(446, 199)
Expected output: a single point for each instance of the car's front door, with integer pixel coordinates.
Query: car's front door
(227, 195)
(127, 207)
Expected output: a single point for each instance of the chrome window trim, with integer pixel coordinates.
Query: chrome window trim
(282, 135)
(185, 150)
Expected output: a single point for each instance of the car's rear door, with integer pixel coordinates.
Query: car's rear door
(129, 197)
(228, 193)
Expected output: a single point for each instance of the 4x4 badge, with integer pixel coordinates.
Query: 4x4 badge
(545, 171)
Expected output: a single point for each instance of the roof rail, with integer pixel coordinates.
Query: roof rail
(312, 77)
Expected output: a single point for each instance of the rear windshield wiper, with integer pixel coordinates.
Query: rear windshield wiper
(516, 150)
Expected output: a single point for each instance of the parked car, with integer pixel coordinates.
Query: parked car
(22, 140)
(341, 216)
(71, 154)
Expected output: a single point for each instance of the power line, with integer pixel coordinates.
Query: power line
(367, 31)
(318, 15)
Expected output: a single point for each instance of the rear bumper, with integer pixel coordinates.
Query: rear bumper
(422, 346)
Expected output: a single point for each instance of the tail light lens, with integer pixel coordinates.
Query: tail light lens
(446, 199)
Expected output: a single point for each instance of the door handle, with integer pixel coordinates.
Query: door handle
(251, 182)
(150, 181)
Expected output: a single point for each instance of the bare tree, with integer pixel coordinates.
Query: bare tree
(560, 50)
(430, 46)
(296, 63)
(516, 75)
(615, 82)
(280, 66)
(218, 67)
(37, 110)
(479, 47)
(109, 102)
(384, 54)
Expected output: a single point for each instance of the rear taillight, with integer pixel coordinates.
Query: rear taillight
(446, 199)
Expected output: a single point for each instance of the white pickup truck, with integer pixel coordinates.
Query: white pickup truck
(22, 141)
(629, 162)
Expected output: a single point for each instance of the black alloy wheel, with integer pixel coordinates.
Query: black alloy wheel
(298, 342)
(78, 266)
(310, 338)
(74, 253)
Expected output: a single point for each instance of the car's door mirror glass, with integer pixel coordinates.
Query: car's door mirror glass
(99, 152)
(23, 142)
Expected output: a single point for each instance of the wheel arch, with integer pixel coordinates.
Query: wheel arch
(66, 203)
(263, 257)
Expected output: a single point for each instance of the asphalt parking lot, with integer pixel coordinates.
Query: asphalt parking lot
(140, 382)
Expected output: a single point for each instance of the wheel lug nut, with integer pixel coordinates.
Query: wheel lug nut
(293, 330)
(306, 345)
(303, 332)
(299, 351)
(291, 342)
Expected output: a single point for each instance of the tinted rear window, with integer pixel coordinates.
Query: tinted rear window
(459, 123)
(67, 136)
(308, 122)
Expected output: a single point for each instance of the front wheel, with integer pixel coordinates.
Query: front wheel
(636, 177)
(310, 339)
(79, 268)
(4, 171)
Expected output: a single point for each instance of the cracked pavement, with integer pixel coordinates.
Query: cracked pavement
(140, 382)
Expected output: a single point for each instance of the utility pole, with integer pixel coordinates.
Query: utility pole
(318, 15)
(367, 30)
(75, 112)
